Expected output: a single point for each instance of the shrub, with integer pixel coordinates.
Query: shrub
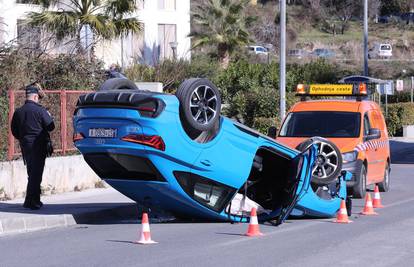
(397, 97)
(399, 115)
(172, 73)
(62, 72)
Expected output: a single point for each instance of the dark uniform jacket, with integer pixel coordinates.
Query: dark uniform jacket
(30, 125)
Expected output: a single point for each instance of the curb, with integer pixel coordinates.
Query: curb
(32, 223)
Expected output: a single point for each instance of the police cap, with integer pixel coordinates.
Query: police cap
(34, 89)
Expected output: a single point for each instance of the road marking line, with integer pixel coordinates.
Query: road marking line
(399, 203)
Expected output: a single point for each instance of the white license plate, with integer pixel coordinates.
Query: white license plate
(102, 132)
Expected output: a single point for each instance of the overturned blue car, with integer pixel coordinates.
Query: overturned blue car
(179, 154)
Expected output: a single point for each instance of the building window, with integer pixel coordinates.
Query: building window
(22, 1)
(136, 47)
(166, 4)
(167, 34)
(27, 36)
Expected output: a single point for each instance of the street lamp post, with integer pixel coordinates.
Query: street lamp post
(282, 58)
(365, 37)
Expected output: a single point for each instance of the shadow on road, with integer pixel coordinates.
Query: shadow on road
(91, 213)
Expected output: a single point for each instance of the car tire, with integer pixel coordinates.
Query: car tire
(384, 186)
(200, 105)
(360, 187)
(328, 163)
(117, 84)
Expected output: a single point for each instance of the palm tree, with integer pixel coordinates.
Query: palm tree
(105, 18)
(223, 24)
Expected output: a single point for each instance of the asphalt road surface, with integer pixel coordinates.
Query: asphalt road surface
(383, 240)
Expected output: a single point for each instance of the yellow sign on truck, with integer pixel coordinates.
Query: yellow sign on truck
(331, 89)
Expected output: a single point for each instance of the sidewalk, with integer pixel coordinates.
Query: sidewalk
(90, 206)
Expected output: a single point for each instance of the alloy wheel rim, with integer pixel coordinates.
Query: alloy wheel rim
(326, 161)
(203, 104)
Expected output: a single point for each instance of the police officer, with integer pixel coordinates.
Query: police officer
(31, 125)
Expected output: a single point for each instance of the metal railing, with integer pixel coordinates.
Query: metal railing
(61, 104)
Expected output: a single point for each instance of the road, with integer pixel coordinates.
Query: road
(384, 240)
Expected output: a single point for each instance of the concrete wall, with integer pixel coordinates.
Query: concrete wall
(62, 174)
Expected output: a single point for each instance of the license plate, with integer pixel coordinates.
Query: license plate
(102, 132)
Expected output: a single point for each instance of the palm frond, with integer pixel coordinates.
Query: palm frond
(60, 23)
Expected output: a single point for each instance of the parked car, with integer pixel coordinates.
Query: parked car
(258, 50)
(357, 127)
(323, 53)
(298, 53)
(380, 51)
(384, 19)
(178, 153)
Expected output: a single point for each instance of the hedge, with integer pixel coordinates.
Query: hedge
(399, 115)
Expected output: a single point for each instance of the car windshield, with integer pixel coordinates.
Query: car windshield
(321, 123)
(385, 47)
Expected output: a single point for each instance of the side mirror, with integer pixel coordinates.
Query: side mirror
(374, 133)
(272, 132)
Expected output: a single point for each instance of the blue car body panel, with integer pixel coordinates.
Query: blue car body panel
(227, 159)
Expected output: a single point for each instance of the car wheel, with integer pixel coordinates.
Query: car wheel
(118, 83)
(360, 188)
(384, 186)
(328, 163)
(200, 104)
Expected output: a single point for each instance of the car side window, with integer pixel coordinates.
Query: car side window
(367, 125)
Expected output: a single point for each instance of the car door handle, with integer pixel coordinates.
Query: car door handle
(206, 162)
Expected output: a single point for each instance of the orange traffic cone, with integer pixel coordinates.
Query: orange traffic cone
(145, 231)
(253, 229)
(342, 215)
(377, 198)
(368, 209)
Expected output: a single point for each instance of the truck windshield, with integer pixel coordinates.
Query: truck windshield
(321, 123)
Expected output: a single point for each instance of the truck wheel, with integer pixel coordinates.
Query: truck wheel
(360, 188)
(384, 186)
(328, 163)
(200, 105)
(118, 84)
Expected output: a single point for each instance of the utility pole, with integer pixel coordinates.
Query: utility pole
(365, 37)
(282, 59)
(122, 52)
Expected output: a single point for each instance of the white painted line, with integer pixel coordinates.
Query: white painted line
(398, 203)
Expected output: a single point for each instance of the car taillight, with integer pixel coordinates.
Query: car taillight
(148, 109)
(154, 141)
(77, 137)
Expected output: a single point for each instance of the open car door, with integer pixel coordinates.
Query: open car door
(299, 181)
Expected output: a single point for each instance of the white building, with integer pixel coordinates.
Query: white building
(166, 25)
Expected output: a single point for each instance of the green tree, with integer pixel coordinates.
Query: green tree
(389, 7)
(222, 24)
(106, 18)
